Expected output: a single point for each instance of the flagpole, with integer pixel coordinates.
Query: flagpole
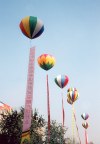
(48, 109)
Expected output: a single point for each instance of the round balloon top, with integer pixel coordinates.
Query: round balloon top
(46, 61)
(85, 116)
(31, 27)
(73, 95)
(71, 89)
(61, 80)
(85, 125)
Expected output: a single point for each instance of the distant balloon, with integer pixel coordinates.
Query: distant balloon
(31, 27)
(46, 61)
(71, 89)
(69, 101)
(85, 125)
(61, 80)
(73, 95)
(85, 116)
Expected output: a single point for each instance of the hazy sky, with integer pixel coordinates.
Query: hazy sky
(72, 36)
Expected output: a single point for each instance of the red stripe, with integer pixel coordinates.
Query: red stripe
(86, 140)
(66, 80)
(48, 109)
(63, 112)
(23, 29)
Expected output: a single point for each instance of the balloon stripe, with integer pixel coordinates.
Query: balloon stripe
(23, 30)
(38, 27)
(40, 32)
(66, 80)
(26, 26)
(32, 23)
(62, 80)
(73, 96)
(59, 80)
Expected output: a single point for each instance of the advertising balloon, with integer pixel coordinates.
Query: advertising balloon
(31, 27)
(85, 116)
(61, 80)
(46, 61)
(73, 95)
(85, 125)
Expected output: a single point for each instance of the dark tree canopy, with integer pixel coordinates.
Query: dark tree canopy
(11, 129)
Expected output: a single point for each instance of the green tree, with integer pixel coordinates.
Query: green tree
(57, 132)
(37, 128)
(11, 127)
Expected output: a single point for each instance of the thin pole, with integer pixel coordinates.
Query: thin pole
(73, 123)
(48, 110)
(86, 138)
(63, 112)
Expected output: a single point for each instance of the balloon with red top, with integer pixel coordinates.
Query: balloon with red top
(46, 61)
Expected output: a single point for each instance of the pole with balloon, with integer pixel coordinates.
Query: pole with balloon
(70, 102)
(32, 28)
(72, 96)
(46, 62)
(85, 117)
(62, 81)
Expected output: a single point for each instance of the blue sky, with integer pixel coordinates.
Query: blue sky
(72, 36)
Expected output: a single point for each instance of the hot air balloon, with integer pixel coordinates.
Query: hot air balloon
(85, 116)
(61, 80)
(73, 95)
(85, 125)
(31, 27)
(46, 62)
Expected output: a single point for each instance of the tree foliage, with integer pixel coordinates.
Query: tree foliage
(57, 132)
(11, 129)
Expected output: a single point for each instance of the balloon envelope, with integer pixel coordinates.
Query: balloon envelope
(85, 116)
(69, 101)
(31, 27)
(46, 61)
(73, 95)
(61, 80)
(85, 125)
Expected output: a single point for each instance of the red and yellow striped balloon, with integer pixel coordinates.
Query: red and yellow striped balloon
(31, 27)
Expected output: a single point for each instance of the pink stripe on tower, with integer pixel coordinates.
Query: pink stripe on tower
(29, 91)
